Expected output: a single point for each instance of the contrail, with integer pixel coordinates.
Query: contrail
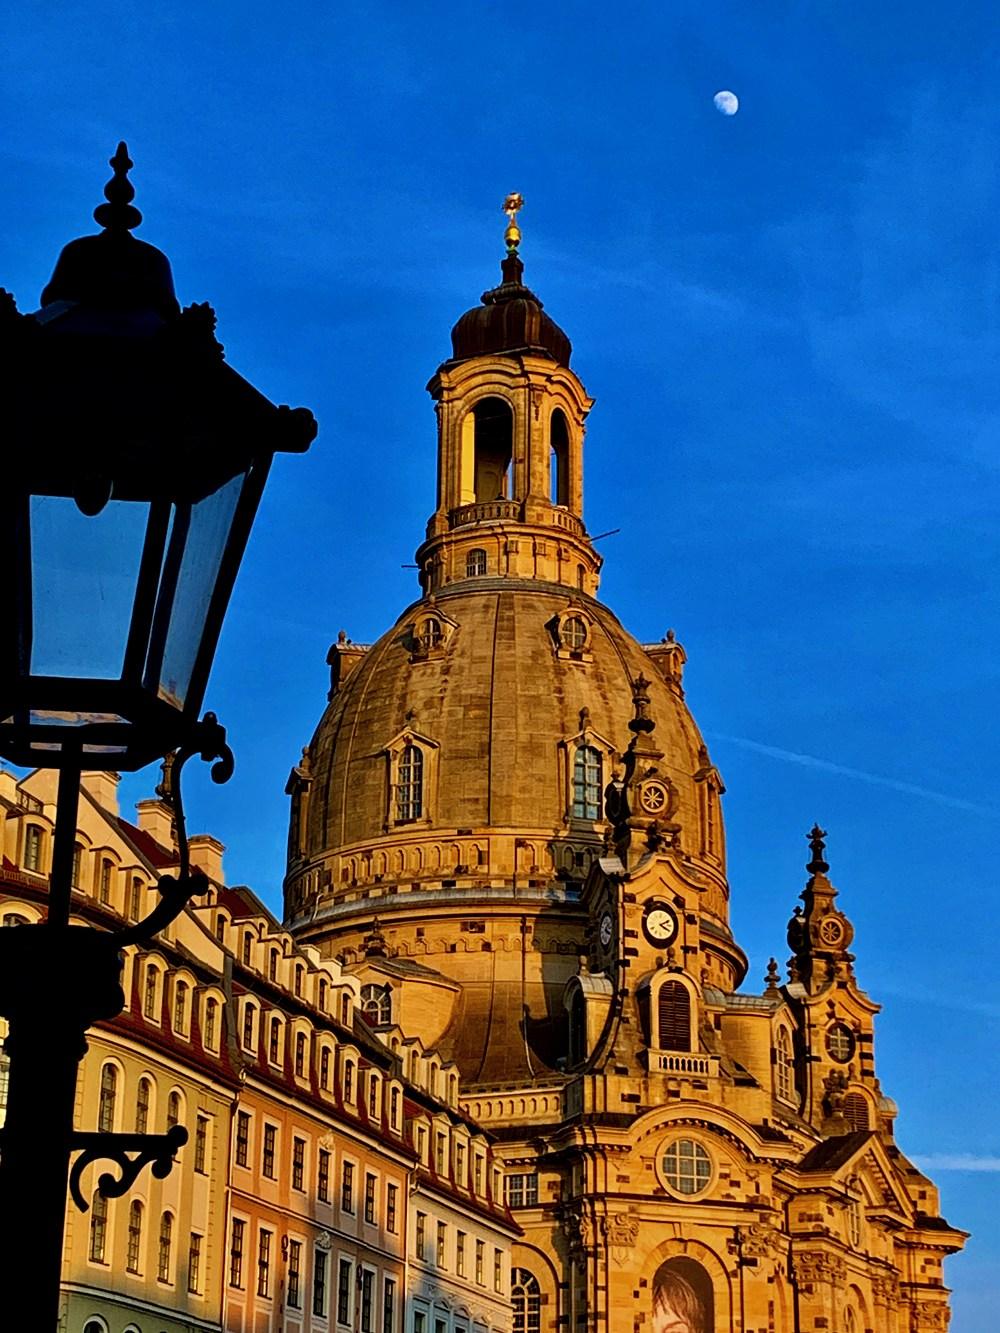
(962, 1161)
(876, 779)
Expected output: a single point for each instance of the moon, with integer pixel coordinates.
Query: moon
(726, 102)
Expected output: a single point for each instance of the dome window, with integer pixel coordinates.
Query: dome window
(840, 1043)
(376, 1005)
(574, 632)
(493, 438)
(475, 563)
(687, 1167)
(410, 783)
(587, 783)
(430, 634)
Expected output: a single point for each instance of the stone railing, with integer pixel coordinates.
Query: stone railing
(683, 1064)
(489, 512)
(514, 1105)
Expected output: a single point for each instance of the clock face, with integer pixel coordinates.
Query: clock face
(606, 929)
(660, 923)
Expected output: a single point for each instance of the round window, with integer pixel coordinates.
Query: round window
(687, 1167)
(840, 1043)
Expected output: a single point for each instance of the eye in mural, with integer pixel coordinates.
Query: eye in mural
(682, 1298)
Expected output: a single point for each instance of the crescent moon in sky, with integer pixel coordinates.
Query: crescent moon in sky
(726, 102)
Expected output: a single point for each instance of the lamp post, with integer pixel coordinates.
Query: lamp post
(134, 463)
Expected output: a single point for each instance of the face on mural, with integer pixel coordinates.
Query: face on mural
(677, 1308)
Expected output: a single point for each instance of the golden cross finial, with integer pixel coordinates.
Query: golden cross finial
(512, 205)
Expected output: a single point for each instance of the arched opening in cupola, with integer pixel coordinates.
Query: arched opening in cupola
(559, 458)
(487, 448)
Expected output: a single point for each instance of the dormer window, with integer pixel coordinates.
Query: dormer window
(475, 563)
(376, 1005)
(430, 634)
(588, 782)
(574, 632)
(33, 848)
(410, 783)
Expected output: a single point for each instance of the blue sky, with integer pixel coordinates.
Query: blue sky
(789, 321)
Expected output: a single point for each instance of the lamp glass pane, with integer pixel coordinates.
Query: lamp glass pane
(204, 548)
(84, 572)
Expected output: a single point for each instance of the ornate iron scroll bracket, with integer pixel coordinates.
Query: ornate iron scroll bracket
(130, 1153)
(208, 741)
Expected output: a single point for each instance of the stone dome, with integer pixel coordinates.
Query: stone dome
(498, 701)
(510, 318)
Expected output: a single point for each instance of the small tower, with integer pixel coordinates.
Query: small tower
(510, 444)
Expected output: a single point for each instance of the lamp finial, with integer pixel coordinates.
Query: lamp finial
(118, 214)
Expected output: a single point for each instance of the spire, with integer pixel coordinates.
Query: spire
(118, 214)
(820, 935)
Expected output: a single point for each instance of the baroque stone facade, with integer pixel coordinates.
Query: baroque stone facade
(508, 828)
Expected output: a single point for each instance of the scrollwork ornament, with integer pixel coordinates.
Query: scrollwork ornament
(130, 1153)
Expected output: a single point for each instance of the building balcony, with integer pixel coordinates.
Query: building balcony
(683, 1064)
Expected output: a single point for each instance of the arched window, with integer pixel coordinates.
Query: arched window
(376, 1005)
(300, 1054)
(95, 1326)
(345, 1009)
(410, 783)
(850, 1321)
(220, 929)
(349, 1081)
(14, 919)
(324, 1069)
(272, 965)
(856, 1111)
(682, 1295)
(135, 899)
(323, 989)
(526, 1300)
(77, 864)
(134, 1236)
(173, 1110)
(559, 439)
(372, 1096)
(149, 1006)
(274, 1041)
(180, 1006)
(33, 848)
(98, 1228)
(143, 1095)
(109, 1095)
(298, 979)
(475, 563)
(247, 948)
(573, 633)
(163, 1256)
(784, 1067)
(587, 783)
(673, 1014)
(493, 438)
(430, 633)
(577, 1026)
(248, 1022)
(107, 869)
(211, 1022)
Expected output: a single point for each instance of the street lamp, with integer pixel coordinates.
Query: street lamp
(135, 461)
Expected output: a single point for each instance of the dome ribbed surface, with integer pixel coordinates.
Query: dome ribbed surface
(510, 318)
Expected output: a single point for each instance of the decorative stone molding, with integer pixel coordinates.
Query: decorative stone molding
(816, 1266)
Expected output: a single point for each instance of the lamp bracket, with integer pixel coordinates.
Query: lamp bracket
(130, 1153)
(208, 742)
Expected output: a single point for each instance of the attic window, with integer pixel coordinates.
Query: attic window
(430, 634)
(574, 632)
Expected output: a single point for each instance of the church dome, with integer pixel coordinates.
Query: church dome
(499, 685)
(510, 318)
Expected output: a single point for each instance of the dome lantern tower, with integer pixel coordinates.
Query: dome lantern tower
(510, 445)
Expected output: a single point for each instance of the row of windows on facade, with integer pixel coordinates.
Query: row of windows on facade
(466, 1165)
(34, 859)
(357, 1283)
(144, 1111)
(456, 1256)
(135, 1244)
(588, 783)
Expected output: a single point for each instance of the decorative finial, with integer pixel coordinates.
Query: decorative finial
(640, 701)
(671, 637)
(773, 977)
(512, 205)
(817, 845)
(118, 214)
